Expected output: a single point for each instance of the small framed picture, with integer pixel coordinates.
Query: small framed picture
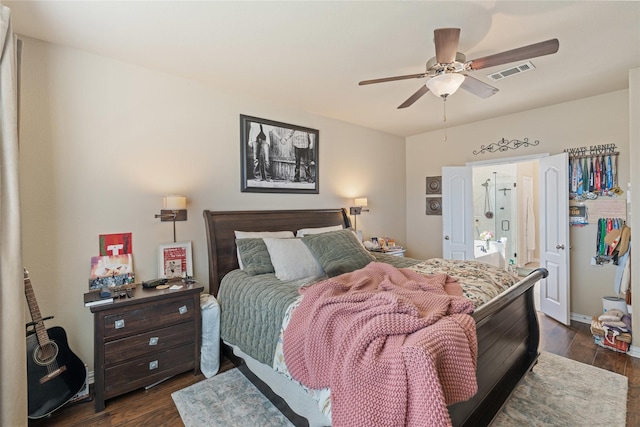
(434, 185)
(175, 260)
(434, 205)
(111, 270)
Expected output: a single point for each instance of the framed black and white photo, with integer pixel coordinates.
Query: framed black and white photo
(278, 157)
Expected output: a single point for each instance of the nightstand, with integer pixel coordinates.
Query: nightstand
(145, 339)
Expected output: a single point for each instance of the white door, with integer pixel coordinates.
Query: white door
(457, 212)
(554, 236)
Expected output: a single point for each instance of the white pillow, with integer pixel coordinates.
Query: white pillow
(292, 259)
(306, 231)
(358, 235)
(259, 234)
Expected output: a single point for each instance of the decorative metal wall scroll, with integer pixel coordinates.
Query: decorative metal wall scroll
(505, 145)
(434, 206)
(434, 185)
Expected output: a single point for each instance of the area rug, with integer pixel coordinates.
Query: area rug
(562, 392)
(227, 400)
(558, 392)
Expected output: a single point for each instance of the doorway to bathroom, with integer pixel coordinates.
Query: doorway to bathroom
(505, 214)
(548, 226)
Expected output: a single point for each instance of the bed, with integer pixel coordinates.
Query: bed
(506, 326)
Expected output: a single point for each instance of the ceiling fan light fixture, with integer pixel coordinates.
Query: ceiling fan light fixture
(444, 85)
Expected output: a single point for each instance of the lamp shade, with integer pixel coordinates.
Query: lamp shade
(445, 84)
(174, 203)
(361, 201)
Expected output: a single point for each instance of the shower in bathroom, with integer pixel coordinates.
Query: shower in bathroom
(496, 213)
(487, 200)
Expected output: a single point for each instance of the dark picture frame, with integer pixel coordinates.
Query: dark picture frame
(434, 185)
(278, 157)
(434, 206)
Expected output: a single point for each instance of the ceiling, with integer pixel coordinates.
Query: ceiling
(311, 55)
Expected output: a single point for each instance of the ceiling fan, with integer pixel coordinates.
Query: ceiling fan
(447, 70)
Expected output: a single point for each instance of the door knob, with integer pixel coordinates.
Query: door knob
(560, 246)
(446, 237)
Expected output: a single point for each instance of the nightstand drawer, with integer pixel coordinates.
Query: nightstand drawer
(148, 317)
(148, 369)
(149, 342)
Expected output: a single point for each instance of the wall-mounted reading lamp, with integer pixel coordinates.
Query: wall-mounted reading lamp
(175, 209)
(360, 206)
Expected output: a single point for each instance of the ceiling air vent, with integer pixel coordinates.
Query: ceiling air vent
(527, 66)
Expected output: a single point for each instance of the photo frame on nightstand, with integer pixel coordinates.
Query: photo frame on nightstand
(175, 260)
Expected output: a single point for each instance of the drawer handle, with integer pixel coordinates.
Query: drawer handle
(153, 341)
(183, 309)
(119, 324)
(153, 365)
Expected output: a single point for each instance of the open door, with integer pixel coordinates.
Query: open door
(554, 236)
(457, 212)
(458, 221)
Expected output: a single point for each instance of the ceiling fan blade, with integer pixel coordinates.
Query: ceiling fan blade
(478, 87)
(532, 51)
(391, 79)
(446, 41)
(413, 98)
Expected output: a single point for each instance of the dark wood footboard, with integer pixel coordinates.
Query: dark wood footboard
(508, 338)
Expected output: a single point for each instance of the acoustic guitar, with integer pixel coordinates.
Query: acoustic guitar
(55, 374)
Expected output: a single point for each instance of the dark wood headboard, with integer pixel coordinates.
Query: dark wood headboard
(221, 240)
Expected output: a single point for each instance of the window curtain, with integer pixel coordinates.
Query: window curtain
(13, 370)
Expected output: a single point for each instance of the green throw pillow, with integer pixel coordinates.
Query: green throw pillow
(255, 256)
(338, 252)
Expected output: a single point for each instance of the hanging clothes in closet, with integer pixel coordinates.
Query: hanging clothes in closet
(605, 226)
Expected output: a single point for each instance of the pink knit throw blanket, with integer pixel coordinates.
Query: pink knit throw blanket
(394, 346)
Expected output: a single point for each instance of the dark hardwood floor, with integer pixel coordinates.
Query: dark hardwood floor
(155, 407)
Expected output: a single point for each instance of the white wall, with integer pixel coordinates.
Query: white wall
(598, 120)
(102, 141)
(634, 153)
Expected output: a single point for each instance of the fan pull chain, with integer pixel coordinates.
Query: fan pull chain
(444, 119)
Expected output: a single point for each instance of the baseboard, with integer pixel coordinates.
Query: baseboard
(634, 351)
(581, 318)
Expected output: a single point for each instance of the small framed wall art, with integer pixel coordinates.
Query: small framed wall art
(175, 260)
(278, 157)
(434, 206)
(434, 185)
